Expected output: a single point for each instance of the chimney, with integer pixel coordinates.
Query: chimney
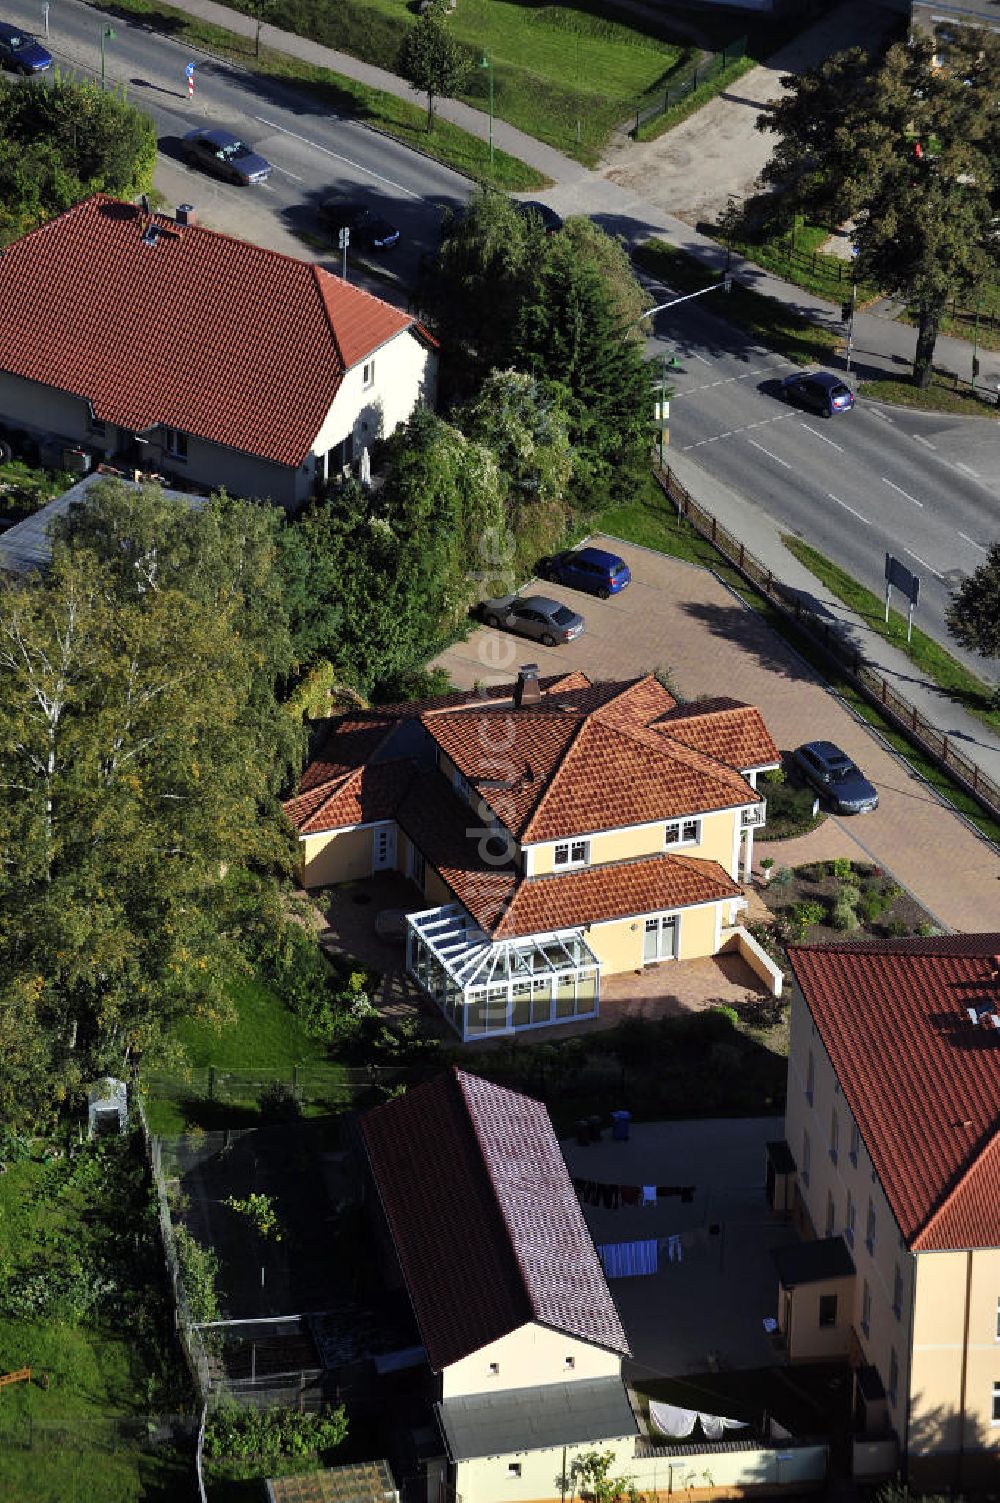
(527, 690)
(145, 203)
(186, 214)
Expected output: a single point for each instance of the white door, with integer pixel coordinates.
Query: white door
(384, 848)
(660, 938)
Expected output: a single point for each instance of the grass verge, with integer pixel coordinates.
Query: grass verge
(405, 121)
(781, 328)
(946, 393)
(929, 656)
(652, 522)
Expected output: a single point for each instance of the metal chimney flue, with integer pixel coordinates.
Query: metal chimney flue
(527, 690)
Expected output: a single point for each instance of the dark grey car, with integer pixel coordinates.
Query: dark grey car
(224, 154)
(835, 776)
(548, 621)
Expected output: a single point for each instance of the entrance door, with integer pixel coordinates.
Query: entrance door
(384, 848)
(660, 938)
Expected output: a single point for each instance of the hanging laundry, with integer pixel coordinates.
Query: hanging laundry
(624, 1260)
(678, 1423)
(649, 1195)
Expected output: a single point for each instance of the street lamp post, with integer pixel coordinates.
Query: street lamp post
(107, 35)
(487, 62)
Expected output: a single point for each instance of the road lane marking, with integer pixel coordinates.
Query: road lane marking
(768, 453)
(894, 487)
(923, 565)
(972, 542)
(338, 157)
(733, 431)
(689, 391)
(696, 356)
(849, 508)
(967, 468)
(821, 436)
(287, 173)
(921, 440)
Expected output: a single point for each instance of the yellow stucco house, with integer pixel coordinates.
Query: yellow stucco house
(477, 1209)
(559, 830)
(892, 1159)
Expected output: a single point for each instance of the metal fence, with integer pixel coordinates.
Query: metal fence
(848, 658)
(333, 1085)
(680, 88)
(23, 1432)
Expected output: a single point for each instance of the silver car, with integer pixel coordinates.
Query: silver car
(548, 621)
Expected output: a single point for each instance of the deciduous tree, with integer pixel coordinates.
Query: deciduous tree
(432, 61)
(974, 612)
(909, 149)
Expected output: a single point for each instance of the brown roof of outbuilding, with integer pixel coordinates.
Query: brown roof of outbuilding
(486, 1224)
(214, 336)
(922, 1082)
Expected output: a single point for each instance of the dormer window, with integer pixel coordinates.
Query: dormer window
(682, 832)
(572, 853)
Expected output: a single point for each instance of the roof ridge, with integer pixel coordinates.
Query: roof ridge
(567, 752)
(682, 749)
(946, 1202)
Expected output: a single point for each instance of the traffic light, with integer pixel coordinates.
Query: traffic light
(846, 312)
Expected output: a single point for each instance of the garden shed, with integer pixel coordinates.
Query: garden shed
(107, 1106)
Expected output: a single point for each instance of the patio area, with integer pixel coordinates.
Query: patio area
(365, 920)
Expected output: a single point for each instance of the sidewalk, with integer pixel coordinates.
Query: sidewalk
(761, 534)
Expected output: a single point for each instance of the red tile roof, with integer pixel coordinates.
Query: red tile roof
(619, 889)
(922, 1083)
(730, 732)
(485, 1221)
(202, 332)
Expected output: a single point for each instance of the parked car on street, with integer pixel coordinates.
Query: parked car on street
(21, 52)
(591, 569)
(548, 621)
(225, 155)
(821, 392)
(370, 230)
(835, 777)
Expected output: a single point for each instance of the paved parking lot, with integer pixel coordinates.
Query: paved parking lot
(678, 617)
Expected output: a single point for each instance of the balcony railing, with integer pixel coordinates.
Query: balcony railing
(755, 815)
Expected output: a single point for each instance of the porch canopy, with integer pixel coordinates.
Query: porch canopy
(483, 986)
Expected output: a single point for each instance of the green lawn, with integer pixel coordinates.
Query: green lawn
(60, 1225)
(946, 393)
(781, 328)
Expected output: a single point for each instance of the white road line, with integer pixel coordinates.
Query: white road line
(921, 440)
(821, 436)
(768, 453)
(972, 542)
(338, 157)
(287, 173)
(849, 508)
(877, 412)
(923, 565)
(967, 468)
(696, 356)
(894, 487)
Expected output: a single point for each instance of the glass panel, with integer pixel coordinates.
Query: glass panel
(521, 1014)
(476, 1015)
(496, 1009)
(541, 1001)
(565, 996)
(586, 993)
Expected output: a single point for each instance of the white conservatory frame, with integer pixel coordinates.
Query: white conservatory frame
(485, 987)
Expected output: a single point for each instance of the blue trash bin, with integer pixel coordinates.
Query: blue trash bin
(620, 1123)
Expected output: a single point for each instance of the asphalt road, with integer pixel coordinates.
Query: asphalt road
(921, 486)
(314, 152)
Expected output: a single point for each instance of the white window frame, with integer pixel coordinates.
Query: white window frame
(687, 831)
(996, 1402)
(513, 1469)
(368, 374)
(568, 854)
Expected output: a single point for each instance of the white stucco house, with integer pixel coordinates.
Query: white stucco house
(161, 345)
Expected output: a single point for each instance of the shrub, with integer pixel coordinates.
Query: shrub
(265, 1437)
(897, 928)
(844, 915)
(726, 1012)
(842, 869)
(870, 907)
(891, 891)
(782, 877)
(199, 1270)
(806, 915)
(926, 930)
(279, 1102)
(723, 1058)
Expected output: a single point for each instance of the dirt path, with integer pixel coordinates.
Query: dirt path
(693, 169)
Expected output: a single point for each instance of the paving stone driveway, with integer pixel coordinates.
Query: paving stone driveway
(680, 617)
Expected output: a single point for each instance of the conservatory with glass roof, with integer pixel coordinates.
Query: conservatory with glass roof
(485, 986)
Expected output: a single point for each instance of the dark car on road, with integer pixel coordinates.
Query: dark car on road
(548, 621)
(225, 155)
(372, 231)
(822, 392)
(832, 773)
(22, 52)
(591, 569)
